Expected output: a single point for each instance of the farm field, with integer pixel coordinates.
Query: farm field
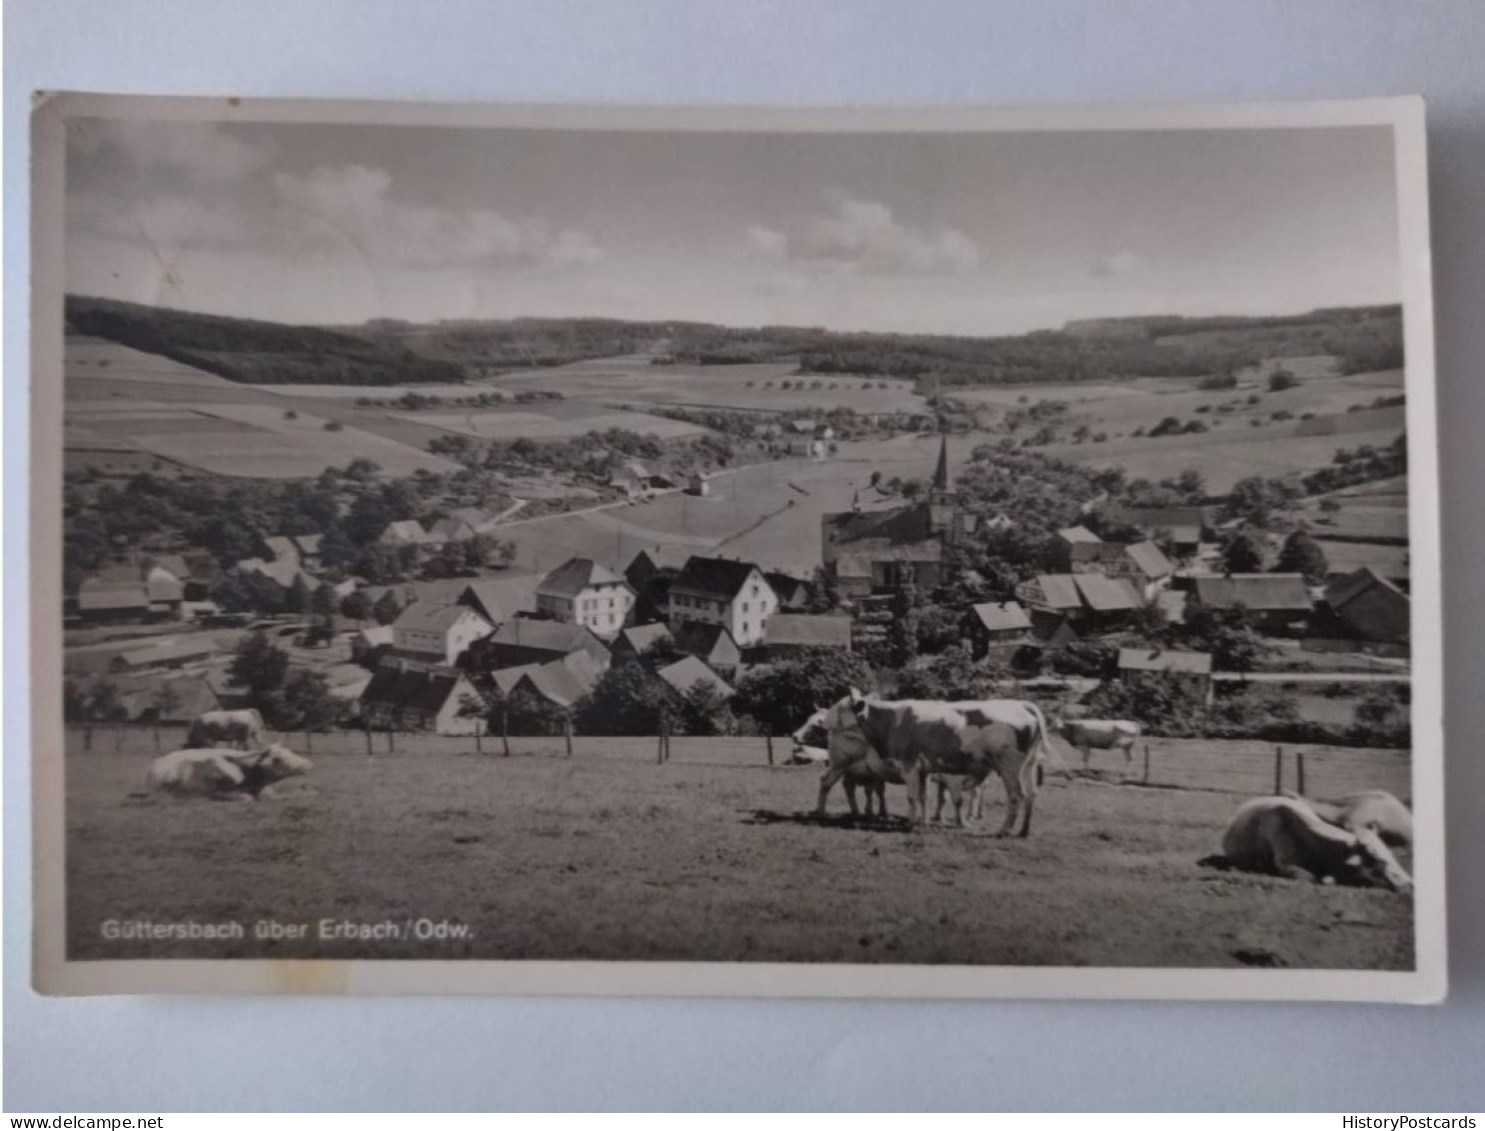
(537, 855)
(634, 379)
(126, 411)
(768, 513)
(536, 424)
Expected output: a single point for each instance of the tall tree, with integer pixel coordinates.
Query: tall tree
(1244, 551)
(1302, 554)
(387, 608)
(258, 665)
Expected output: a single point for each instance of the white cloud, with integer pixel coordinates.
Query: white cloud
(1117, 265)
(354, 204)
(864, 235)
(767, 243)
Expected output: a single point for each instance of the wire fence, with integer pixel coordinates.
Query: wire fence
(1243, 767)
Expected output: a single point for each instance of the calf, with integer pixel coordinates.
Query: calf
(846, 755)
(1100, 734)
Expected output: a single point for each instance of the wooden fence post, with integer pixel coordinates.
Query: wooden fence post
(505, 730)
(1299, 770)
(478, 727)
(157, 738)
(660, 745)
(1146, 779)
(768, 735)
(118, 737)
(309, 743)
(1278, 769)
(391, 739)
(367, 730)
(88, 737)
(567, 733)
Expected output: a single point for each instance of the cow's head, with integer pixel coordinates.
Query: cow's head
(842, 715)
(1371, 863)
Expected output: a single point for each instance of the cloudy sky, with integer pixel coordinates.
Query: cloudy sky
(973, 234)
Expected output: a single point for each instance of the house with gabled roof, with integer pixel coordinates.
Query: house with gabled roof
(638, 640)
(712, 644)
(1178, 528)
(686, 674)
(1275, 602)
(437, 633)
(1370, 606)
(563, 682)
(404, 532)
(999, 626)
(406, 695)
(534, 640)
(582, 592)
(1193, 668)
(725, 592)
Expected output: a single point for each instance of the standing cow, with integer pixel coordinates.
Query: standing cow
(243, 730)
(846, 752)
(1088, 735)
(964, 741)
(1369, 809)
(225, 774)
(1284, 836)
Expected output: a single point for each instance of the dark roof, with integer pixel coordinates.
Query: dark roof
(1060, 590)
(424, 616)
(788, 587)
(805, 630)
(642, 637)
(685, 674)
(546, 635)
(96, 594)
(697, 639)
(899, 525)
(573, 576)
(562, 682)
(404, 684)
(1343, 590)
(1002, 616)
(1156, 660)
(716, 577)
(1261, 592)
(1106, 594)
(1074, 534)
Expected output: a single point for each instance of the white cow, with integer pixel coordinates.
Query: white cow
(1369, 809)
(225, 774)
(243, 730)
(1099, 734)
(967, 741)
(1284, 836)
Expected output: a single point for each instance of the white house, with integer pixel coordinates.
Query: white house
(582, 592)
(437, 633)
(718, 591)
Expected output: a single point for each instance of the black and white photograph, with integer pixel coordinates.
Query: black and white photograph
(851, 553)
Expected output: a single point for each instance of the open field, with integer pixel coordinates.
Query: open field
(535, 423)
(712, 856)
(634, 379)
(768, 513)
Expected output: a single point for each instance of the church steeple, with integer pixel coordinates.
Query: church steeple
(941, 473)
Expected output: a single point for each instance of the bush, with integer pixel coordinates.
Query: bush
(333, 426)
(1281, 379)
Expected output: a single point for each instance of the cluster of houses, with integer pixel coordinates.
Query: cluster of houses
(705, 620)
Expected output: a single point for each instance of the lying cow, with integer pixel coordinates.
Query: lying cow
(1370, 809)
(1087, 735)
(1284, 836)
(968, 741)
(846, 754)
(225, 774)
(242, 730)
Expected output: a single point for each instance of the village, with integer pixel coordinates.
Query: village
(1176, 595)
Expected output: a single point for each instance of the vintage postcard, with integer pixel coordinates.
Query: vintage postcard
(953, 553)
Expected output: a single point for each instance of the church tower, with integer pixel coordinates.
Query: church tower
(943, 502)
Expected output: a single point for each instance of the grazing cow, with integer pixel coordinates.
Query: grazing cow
(1284, 836)
(1369, 809)
(1099, 734)
(964, 741)
(243, 730)
(846, 753)
(224, 774)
